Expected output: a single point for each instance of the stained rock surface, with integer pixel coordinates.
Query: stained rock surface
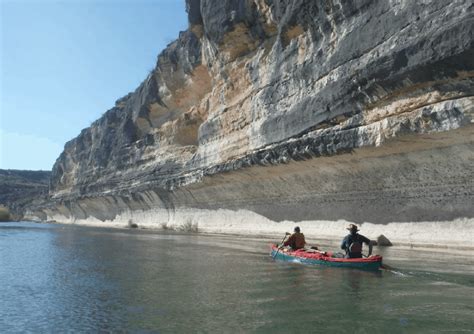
(271, 111)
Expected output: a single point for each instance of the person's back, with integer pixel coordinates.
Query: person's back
(352, 243)
(296, 240)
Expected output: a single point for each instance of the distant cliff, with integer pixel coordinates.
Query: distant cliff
(266, 111)
(22, 188)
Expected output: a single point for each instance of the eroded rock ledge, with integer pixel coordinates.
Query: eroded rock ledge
(269, 111)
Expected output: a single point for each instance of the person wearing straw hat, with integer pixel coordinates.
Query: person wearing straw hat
(352, 243)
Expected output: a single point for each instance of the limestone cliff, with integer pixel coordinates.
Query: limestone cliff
(289, 110)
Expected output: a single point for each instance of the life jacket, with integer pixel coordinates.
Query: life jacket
(296, 241)
(355, 247)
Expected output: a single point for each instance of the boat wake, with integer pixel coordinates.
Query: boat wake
(393, 271)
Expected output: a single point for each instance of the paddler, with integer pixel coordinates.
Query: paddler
(352, 243)
(295, 240)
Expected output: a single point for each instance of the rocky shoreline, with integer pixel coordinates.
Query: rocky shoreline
(317, 232)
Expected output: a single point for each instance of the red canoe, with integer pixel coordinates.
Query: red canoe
(311, 256)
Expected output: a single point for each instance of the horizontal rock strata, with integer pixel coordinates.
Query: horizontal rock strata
(297, 111)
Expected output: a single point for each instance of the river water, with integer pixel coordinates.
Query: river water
(57, 279)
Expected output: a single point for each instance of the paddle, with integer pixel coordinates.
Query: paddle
(370, 250)
(283, 240)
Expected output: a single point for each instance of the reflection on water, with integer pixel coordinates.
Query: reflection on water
(65, 278)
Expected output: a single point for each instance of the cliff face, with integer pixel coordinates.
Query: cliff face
(289, 110)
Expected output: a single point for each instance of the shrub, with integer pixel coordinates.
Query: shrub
(188, 226)
(164, 226)
(4, 214)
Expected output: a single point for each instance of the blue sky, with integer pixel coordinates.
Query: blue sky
(63, 63)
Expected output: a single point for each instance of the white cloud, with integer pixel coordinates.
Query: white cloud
(27, 151)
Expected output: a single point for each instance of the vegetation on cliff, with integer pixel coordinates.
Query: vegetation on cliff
(19, 189)
(4, 214)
